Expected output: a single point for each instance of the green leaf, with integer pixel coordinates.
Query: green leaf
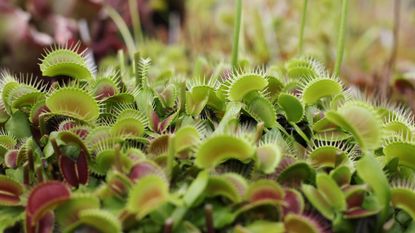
(186, 137)
(331, 192)
(69, 61)
(404, 198)
(219, 148)
(9, 216)
(402, 150)
(361, 120)
(295, 223)
(318, 201)
(260, 109)
(244, 84)
(293, 108)
(222, 186)
(370, 171)
(196, 188)
(68, 212)
(102, 220)
(18, 125)
(315, 89)
(73, 102)
(268, 157)
(149, 193)
(260, 227)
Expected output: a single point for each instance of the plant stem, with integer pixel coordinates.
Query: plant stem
(125, 33)
(259, 131)
(396, 26)
(171, 151)
(55, 147)
(178, 216)
(236, 34)
(341, 36)
(303, 17)
(117, 162)
(31, 160)
(26, 175)
(282, 129)
(137, 57)
(121, 62)
(39, 175)
(209, 218)
(135, 18)
(300, 132)
(390, 66)
(168, 226)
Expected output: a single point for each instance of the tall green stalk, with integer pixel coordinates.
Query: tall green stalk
(236, 33)
(303, 17)
(125, 33)
(341, 37)
(135, 18)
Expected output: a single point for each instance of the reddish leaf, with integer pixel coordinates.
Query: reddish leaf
(82, 168)
(81, 132)
(293, 202)
(119, 183)
(43, 198)
(265, 191)
(74, 173)
(155, 121)
(355, 200)
(47, 223)
(265, 194)
(10, 158)
(144, 168)
(166, 122)
(67, 125)
(359, 213)
(10, 191)
(36, 112)
(68, 170)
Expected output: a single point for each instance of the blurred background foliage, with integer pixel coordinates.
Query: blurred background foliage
(180, 35)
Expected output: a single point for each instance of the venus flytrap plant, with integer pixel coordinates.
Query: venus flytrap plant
(261, 226)
(361, 120)
(101, 220)
(397, 148)
(11, 190)
(228, 185)
(147, 194)
(314, 89)
(304, 68)
(370, 171)
(402, 194)
(331, 154)
(42, 199)
(242, 83)
(67, 60)
(233, 146)
(397, 120)
(269, 152)
(67, 214)
(305, 223)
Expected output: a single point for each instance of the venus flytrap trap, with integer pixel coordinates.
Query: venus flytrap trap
(67, 60)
